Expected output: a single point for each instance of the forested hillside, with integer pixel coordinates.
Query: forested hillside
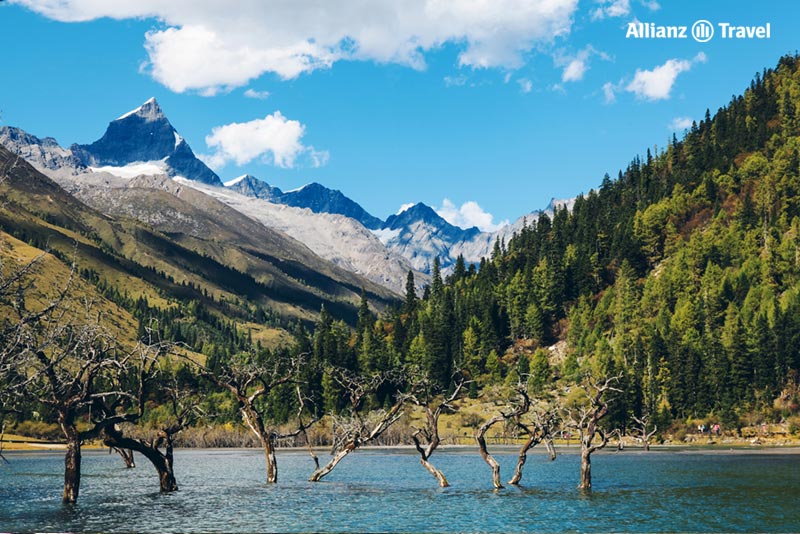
(682, 273)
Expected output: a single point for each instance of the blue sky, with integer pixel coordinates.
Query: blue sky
(503, 103)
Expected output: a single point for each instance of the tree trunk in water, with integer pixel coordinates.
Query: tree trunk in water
(312, 453)
(272, 463)
(72, 467)
(127, 457)
(533, 440)
(548, 442)
(646, 445)
(163, 466)
(432, 437)
(163, 463)
(435, 472)
(166, 481)
(359, 439)
(166, 475)
(485, 453)
(317, 475)
(523, 456)
(586, 470)
(254, 421)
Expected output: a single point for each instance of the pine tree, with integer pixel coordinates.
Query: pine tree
(459, 270)
(411, 294)
(734, 342)
(437, 285)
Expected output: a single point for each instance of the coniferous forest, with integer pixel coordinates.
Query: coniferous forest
(681, 273)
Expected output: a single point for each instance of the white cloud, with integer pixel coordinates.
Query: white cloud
(611, 8)
(211, 46)
(609, 92)
(652, 5)
(274, 140)
(657, 84)
(468, 215)
(576, 66)
(525, 85)
(680, 124)
(574, 71)
(258, 95)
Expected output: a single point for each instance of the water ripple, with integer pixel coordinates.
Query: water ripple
(388, 491)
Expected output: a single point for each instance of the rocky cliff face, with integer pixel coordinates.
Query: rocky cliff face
(145, 136)
(313, 196)
(44, 154)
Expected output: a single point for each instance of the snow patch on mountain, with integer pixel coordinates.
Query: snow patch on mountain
(132, 170)
(386, 234)
(235, 181)
(404, 207)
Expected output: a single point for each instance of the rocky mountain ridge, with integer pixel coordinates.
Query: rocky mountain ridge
(143, 142)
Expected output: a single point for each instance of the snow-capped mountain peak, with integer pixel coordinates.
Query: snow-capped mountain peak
(149, 111)
(144, 136)
(419, 212)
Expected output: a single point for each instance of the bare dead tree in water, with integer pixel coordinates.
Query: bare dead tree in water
(480, 437)
(645, 436)
(516, 412)
(548, 440)
(80, 370)
(353, 429)
(250, 377)
(585, 416)
(185, 411)
(619, 434)
(423, 392)
(540, 429)
(65, 359)
(302, 428)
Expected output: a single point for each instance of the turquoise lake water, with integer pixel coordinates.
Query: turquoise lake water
(388, 491)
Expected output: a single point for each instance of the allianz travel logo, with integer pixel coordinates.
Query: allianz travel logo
(701, 31)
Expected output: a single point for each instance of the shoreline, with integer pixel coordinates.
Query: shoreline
(719, 448)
